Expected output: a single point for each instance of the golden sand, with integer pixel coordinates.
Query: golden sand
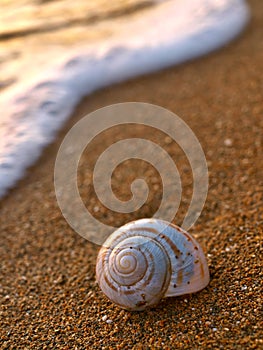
(49, 297)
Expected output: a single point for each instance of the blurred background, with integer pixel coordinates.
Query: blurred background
(53, 53)
(33, 32)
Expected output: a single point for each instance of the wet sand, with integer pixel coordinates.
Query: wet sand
(49, 296)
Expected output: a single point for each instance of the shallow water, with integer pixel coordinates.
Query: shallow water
(52, 53)
(30, 29)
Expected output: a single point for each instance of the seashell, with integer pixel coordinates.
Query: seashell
(147, 260)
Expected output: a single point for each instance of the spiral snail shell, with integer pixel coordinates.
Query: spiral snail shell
(148, 259)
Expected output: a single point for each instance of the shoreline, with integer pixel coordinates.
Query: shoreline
(48, 292)
(44, 94)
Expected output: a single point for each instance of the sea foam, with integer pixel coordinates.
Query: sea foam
(174, 31)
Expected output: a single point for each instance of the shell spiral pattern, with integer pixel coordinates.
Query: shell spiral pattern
(148, 259)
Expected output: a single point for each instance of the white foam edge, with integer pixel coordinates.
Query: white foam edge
(37, 109)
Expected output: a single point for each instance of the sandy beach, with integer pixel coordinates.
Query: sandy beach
(49, 296)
